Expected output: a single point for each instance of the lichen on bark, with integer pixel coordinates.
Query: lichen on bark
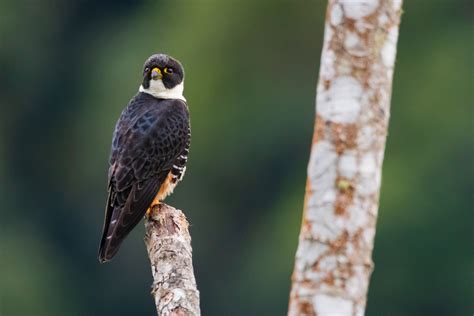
(333, 260)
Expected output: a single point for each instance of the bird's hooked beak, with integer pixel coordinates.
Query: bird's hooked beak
(156, 73)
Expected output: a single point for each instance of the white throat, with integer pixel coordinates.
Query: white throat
(158, 90)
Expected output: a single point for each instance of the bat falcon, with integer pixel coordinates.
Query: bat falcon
(149, 152)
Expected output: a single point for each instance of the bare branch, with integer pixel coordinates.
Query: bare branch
(169, 247)
(333, 261)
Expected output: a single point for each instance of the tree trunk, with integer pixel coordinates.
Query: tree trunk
(168, 243)
(333, 261)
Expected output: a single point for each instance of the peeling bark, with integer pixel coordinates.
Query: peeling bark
(333, 261)
(168, 243)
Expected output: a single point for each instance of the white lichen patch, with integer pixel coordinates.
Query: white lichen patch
(321, 165)
(379, 157)
(348, 164)
(178, 294)
(341, 102)
(368, 235)
(351, 40)
(332, 305)
(328, 263)
(359, 309)
(327, 71)
(350, 249)
(378, 178)
(383, 19)
(336, 14)
(354, 45)
(389, 49)
(322, 227)
(340, 222)
(308, 252)
(365, 137)
(304, 291)
(352, 286)
(367, 165)
(368, 183)
(396, 4)
(328, 33)
(328, 197)
(342, 259)
(358, 216)
(359, 9)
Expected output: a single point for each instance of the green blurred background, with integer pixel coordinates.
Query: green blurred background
(69, 67)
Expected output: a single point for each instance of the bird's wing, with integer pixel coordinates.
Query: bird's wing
(148, 143)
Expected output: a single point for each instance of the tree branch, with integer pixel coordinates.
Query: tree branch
(168, 243)
(333, 261)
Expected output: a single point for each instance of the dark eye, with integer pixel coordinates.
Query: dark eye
(168, 70)
(147, 69)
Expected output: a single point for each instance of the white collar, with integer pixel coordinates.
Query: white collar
(158, 90)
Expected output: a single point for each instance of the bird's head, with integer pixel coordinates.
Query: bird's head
(163, 77)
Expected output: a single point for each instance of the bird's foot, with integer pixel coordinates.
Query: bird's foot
(149, 211)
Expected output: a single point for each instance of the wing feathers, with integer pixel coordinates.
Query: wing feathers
(124, 217)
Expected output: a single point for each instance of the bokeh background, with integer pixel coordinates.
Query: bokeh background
(69, 67)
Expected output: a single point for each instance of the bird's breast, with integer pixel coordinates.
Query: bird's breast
(167, 187)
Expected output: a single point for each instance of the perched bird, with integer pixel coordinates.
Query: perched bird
(149, 151)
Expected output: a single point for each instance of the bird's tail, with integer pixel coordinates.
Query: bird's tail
(108, 248)
(106, 252)
(120, 218)
(109, 245)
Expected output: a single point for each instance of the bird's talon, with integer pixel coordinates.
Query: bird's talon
(149, 211)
